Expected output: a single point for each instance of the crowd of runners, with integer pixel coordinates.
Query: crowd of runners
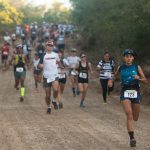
(43, 49)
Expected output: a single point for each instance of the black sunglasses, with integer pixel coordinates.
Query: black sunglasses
(49, 45)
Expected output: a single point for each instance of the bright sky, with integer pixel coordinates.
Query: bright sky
(49, 2)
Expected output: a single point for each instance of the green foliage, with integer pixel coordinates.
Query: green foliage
(57, 13)
(33, 13)
(114, 23)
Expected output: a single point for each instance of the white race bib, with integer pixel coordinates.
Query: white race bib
(22, 35)
(130, 94)
(61, 39)
(62, 76)
(73, 73)
(51, 79)
(40, 51)
(83, 75)
(107, 74)
(5, 53)
(19, 69)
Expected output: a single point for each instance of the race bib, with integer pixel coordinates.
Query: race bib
(107, 74)
(51, 79)
(130, 94)
(62, 76)
(5, 53)
(73, 73)
(83, 75)
(19, 69)
(22, 35)
(61, 39)
(40, 51)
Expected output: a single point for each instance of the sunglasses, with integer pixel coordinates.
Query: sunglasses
(49, 45)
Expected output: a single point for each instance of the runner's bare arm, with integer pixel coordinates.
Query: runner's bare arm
(41, 66)
(116, 73)
(76, 67)
(98, 68)
(11, 60)
(90, 67)
(141, 75)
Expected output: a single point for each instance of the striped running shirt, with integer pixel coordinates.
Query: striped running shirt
(106, 69)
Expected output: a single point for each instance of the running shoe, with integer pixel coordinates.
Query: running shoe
(49, 110)
(105, 103)
(82, 105)
(133, 143)
(60, 105)
(21, 99)
(55, 105)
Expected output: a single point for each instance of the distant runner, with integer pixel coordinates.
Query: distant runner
(5, 54)
(49, 64)
(73, 60)
(62, 76)
(106, 67)
(83, 77)
(19, 62)
(36, 71)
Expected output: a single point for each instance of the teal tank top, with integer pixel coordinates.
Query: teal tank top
(127, 74)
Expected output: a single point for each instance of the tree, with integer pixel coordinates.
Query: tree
(57, 13)
(9, 14)
(114, 23)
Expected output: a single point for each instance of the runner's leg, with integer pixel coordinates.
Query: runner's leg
(55, 86)
(136, 110)
(73, 85)
(104, 83)
(129, 114)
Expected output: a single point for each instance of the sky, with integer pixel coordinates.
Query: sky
(41, 2)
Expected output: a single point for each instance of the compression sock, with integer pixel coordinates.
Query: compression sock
(82, 103)
(131, 135)
(73, 90)
(22, 91)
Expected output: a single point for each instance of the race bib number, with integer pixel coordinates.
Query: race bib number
(5, 53)
(40, 51)
(19, 69)
(74, 73)
(83, 75)
(62, 76)
(61, 39)
(22, 35)
(51, 79)
(130, 94)
(107, 74)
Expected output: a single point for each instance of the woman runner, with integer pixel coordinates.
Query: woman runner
(131, 75)
(83, 77)
(106, 67)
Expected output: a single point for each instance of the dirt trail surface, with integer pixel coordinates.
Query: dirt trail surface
(26, 126)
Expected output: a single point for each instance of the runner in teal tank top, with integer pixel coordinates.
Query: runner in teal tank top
(131, 75)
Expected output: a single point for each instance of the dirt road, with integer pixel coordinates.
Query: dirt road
(26, 126)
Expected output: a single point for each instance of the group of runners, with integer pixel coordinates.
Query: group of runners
(52, 67)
